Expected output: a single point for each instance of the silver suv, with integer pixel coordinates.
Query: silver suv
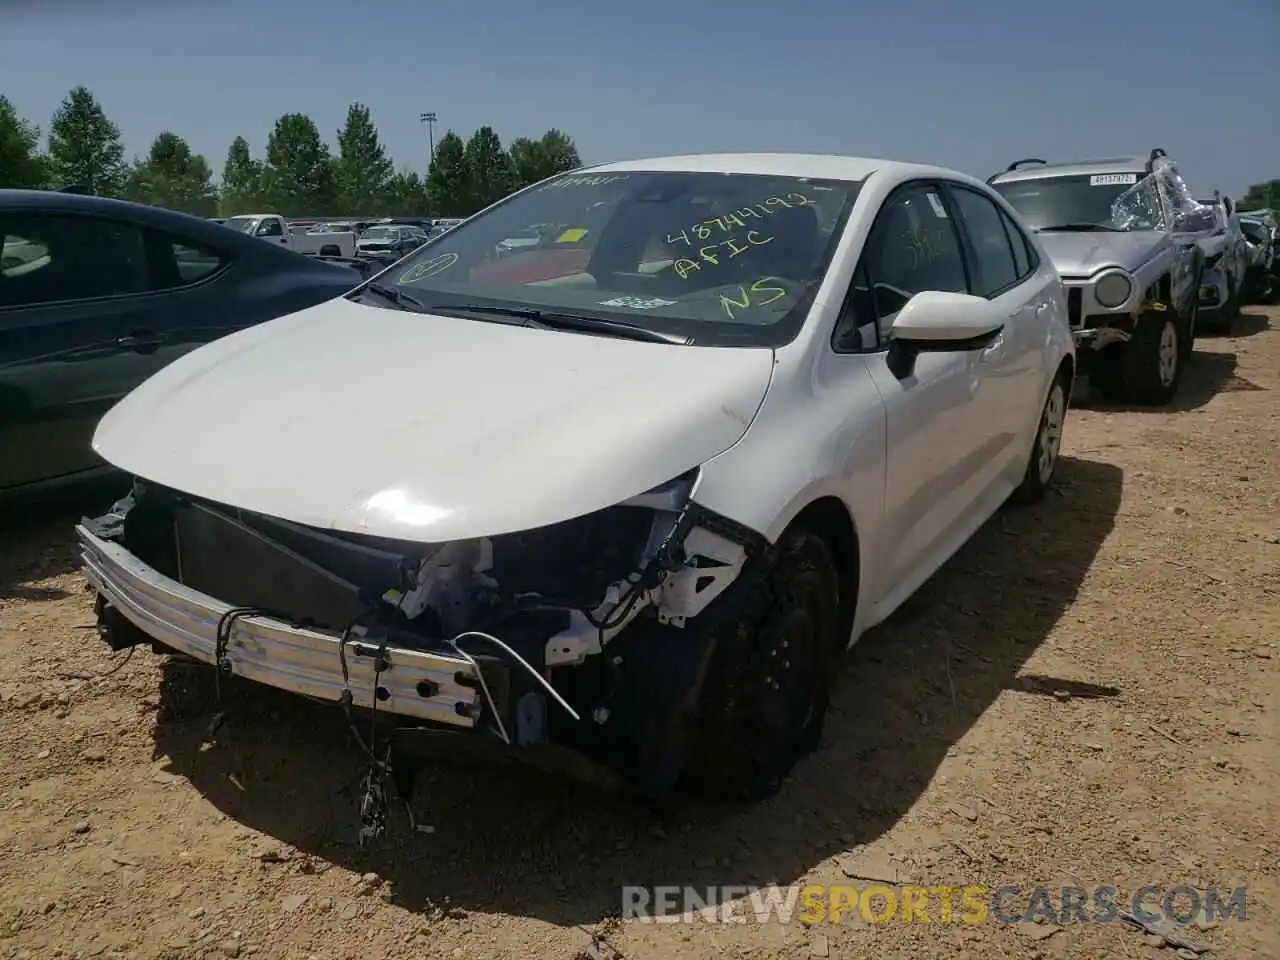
(1122, 234)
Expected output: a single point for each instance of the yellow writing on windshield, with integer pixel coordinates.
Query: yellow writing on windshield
(737, 220)
(763, 292)
(712, 252)
(429, 268)
(571, 236)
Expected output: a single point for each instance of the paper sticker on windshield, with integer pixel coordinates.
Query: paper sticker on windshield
(1113, 179)
(939, 210)
(638, 303)
(571, 236)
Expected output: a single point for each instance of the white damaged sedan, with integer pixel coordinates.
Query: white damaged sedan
(628, 491)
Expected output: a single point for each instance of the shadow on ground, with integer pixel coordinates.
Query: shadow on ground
(37, 537)
(1249, 323)
(517, 842)
(1206, 376)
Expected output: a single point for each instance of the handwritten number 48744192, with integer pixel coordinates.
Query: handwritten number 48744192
(738, 220)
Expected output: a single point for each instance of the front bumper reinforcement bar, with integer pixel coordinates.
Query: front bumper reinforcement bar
(300, 660)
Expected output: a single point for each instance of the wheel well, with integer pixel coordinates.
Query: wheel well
(828, 519)
(330, 250)
(1164, 289)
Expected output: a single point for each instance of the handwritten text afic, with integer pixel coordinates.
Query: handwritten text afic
(711, 252)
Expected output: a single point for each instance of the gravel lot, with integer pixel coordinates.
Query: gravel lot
(1088, 693)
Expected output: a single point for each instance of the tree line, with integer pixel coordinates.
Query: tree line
(1261, 196)
(297, 175)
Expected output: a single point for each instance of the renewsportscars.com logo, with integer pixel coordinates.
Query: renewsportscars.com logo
(971, 904)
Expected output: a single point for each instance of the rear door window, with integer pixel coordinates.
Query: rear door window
(57, 258)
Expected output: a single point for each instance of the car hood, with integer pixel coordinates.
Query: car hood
(1083, 254)
(421, 427)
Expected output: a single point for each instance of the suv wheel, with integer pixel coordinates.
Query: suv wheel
(1152, 361)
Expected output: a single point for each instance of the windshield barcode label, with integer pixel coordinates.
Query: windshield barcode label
(1112, 179)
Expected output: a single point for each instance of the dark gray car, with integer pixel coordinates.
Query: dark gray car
(96, 295)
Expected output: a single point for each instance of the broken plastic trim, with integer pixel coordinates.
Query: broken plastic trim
(694, 555)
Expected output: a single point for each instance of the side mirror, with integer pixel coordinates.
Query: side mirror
(936, 322)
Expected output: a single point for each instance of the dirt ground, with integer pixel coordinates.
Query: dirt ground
(1088, 693)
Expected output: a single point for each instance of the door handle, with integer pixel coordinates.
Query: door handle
(143, 341)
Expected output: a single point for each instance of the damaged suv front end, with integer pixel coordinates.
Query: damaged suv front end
(1113, 230)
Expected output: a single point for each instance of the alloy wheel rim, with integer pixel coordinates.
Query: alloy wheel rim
(1051, 433)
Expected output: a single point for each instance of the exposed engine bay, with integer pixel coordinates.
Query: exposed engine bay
(537, 613)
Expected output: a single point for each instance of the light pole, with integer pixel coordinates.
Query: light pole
(430, 120)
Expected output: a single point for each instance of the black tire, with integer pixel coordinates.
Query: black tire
(1149, 373)
(1047, 444)
(762, 710)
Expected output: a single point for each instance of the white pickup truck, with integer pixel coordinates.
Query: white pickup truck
(273, 228)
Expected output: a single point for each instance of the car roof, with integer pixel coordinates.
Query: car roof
(1075, 168)
(182, 224)
(816, 165)
(54, 201)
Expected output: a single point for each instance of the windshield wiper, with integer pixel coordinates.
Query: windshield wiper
(398, 297)
(551, 320)
(1080, 227)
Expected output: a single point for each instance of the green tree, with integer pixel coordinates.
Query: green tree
(241, 181)
(489, 169)
(297, 177)
(535, 160)
(362, 170)
(21, 164)
(173, 177)
(448, 183)
(84, 146)
(404, 195)
(1261, 196)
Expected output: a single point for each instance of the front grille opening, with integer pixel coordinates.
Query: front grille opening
(1073, 306)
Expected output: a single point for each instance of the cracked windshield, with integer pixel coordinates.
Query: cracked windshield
(717, 258)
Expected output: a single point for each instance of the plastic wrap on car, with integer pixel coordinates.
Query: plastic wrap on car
(1139, 207)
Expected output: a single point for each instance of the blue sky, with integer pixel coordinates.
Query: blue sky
(970, 85)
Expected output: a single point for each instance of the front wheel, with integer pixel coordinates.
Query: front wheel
(765, 696)
(1153, 359)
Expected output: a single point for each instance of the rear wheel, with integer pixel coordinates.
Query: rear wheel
(1048, 444)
